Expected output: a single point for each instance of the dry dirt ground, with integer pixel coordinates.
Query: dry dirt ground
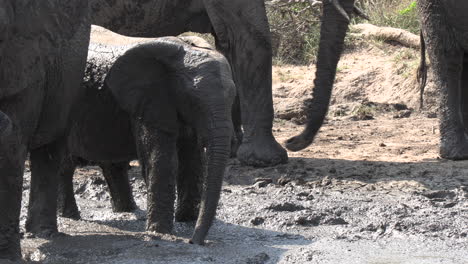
(371, 189)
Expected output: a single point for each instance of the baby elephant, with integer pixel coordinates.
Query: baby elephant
(168, 103)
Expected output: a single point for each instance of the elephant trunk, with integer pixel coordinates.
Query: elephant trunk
(217, 155)
(332, 34)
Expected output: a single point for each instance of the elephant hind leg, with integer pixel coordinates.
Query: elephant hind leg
(66, 197)
(190, 176)
(116, 175)
(45, 169)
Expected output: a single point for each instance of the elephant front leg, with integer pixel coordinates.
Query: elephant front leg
(242, 34)
(67, 206)
(116, 175)
(190, 176)
(12, 157)
(453, 143)
(45, 169)
(446, 57)
(157, 151)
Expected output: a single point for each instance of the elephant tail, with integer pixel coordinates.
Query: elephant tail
(5, 124)
(422, 71)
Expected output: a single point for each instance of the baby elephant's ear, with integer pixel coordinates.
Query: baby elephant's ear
(141, 85)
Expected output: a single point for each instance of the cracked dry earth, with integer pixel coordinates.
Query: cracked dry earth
(371, 191)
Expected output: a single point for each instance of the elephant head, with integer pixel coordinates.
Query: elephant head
(332, 33)
(201, 81)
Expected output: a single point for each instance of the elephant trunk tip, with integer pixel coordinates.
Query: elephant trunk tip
(300, 141)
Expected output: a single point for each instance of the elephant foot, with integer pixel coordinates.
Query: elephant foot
(454, 151)
(71, 212)
(159, 228)
(262, 151)
(124, 206)
(10, 252)
(186, 214)
(298, 142)
(45, 234)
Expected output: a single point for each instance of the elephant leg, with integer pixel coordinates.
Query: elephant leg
(116, 175)
(45, 169)
(190, 176)
(453, 141)
(464, 92)
(157, 150)
(12, 157)
(236, 139)
(67, 206)
(242, 34)
(446, 57)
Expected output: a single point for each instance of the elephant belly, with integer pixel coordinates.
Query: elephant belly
(102, 131)
(458, 20)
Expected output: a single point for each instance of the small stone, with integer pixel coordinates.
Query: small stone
(261, 258)
(288, 207)
(207, 259)
(326, 181)
(283, 181)
(403, 114)
(261, 183)
(382, 145)
(307, 220)
(257, 221)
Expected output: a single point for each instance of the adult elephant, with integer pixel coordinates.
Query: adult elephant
(444, 27)
(242, 34)
(43, 49)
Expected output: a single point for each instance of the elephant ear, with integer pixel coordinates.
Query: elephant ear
(141, 84)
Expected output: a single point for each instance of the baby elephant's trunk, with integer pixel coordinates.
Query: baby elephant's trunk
(217, 155)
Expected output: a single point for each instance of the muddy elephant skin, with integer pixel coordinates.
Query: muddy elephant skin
(43, 51)
(162, 102)
(242, 34)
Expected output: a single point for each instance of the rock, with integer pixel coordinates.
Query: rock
(284, 180)
(310, 220)
(403, 114)
(257, 221)
(262, 182)
(335, 221)
(288, 207)
(258, 259)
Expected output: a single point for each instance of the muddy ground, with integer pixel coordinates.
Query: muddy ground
(371, 189)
